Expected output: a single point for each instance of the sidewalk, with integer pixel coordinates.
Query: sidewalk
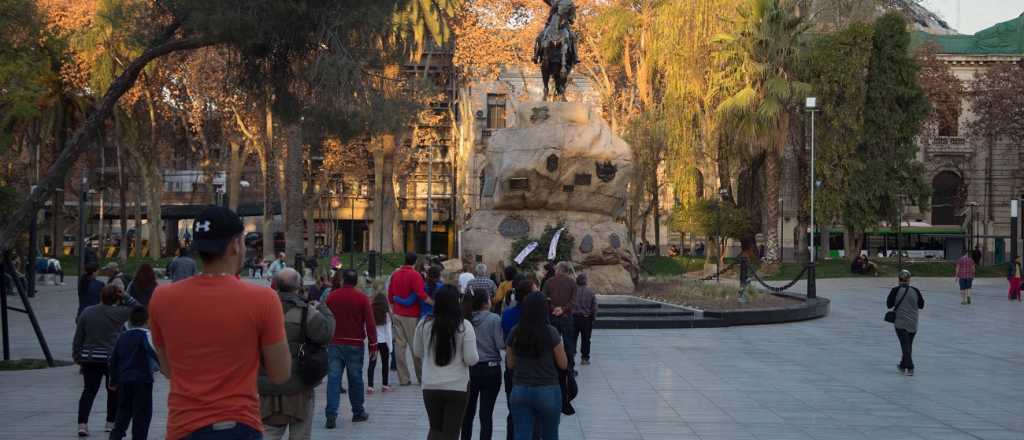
(833, 378)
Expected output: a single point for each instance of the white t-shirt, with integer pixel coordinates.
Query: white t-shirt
(464, 279)
(384, 331)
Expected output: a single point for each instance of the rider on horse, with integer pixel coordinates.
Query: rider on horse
(555, 47)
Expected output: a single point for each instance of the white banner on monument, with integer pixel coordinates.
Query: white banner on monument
(554, 244)
(525, 252)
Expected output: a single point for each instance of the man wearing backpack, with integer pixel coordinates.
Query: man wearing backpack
(289, 406)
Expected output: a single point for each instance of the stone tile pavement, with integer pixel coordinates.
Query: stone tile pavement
(833, 378)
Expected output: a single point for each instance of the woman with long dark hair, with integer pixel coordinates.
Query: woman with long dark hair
(447, 345)
(535, 353)
(142, 286)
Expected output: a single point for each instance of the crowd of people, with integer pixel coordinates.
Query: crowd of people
(246, 362)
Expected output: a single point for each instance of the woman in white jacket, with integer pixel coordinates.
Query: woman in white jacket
(447, 344)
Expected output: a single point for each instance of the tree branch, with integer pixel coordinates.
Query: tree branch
(85, 137)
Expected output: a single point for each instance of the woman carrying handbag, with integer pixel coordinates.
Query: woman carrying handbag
(906, 302)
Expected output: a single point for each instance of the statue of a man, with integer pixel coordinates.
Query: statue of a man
(555, 48)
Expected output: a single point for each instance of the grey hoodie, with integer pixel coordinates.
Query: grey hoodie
(490, 339)
(97, 329)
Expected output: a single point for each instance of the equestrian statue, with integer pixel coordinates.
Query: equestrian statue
(555, 48)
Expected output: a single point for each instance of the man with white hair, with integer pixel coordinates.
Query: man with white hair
(481, 282)
(289, 406)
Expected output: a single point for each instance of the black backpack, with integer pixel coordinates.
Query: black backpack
(311, 358)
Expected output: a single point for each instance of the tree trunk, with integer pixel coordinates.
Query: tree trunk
(234, 177)
(61, 134)
(825, 248)
(771, 203)
(154, 191)
(386, 225)
(122, 248)
(657, 216)
(309, 202)
(293, 177)
(268, 187)
(137, 248)
(803, 246)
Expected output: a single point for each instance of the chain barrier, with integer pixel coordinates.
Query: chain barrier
(723, 270)
(774, 288)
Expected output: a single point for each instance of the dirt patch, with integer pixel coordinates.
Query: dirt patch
(709, 295)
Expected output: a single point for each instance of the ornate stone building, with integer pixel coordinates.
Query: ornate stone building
(973, 178)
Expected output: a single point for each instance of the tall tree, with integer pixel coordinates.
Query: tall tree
(836, 67)
(268, 33)
(761, 54)
(895, 109)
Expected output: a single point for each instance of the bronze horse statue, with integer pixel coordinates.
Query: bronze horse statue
(555, 48)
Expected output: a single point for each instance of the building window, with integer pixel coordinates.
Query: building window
(949, 128)
(519, 184)
(495, 111)
(949, 120)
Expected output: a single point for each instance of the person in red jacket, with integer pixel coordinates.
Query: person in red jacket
(405, 282)
(354, 325)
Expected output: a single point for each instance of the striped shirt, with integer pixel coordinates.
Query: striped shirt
(481, 283)
(965, 267)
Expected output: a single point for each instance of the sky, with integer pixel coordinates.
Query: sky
(975, 15)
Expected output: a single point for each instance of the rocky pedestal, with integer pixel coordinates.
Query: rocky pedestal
(561, 164)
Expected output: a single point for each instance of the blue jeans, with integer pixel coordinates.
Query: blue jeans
(237, 432)
(540, 405)
(350, 359)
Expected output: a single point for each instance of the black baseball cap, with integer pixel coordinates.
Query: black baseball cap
(215, 227)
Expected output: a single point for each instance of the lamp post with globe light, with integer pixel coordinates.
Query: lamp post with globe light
(811, 105)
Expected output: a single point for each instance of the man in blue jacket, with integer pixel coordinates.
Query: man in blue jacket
(131, 372)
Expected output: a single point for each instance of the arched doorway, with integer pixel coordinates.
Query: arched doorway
(946, 198)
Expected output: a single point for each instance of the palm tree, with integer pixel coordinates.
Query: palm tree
(760, 55)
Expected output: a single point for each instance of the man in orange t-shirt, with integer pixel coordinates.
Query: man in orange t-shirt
(210, 332)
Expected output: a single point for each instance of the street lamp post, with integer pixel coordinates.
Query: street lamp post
(899, 231)
(82, 190)
(430, 197)
(812, 107)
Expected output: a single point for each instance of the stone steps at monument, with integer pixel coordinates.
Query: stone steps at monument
(626, 312)
(623, 312)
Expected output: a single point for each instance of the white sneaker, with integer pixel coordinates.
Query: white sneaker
(108, 427)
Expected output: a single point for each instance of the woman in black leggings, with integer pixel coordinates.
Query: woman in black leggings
(485, 376)
(382, 316)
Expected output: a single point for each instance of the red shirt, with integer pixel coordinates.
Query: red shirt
(353, 317)
(211, 329)
(965, 267)
(406, 281)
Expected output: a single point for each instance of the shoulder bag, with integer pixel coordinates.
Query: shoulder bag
(890, 316)
(311, 359)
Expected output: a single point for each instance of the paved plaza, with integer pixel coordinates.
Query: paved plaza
(832, 378)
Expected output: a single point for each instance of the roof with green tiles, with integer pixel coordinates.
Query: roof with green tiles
(1006, 38)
